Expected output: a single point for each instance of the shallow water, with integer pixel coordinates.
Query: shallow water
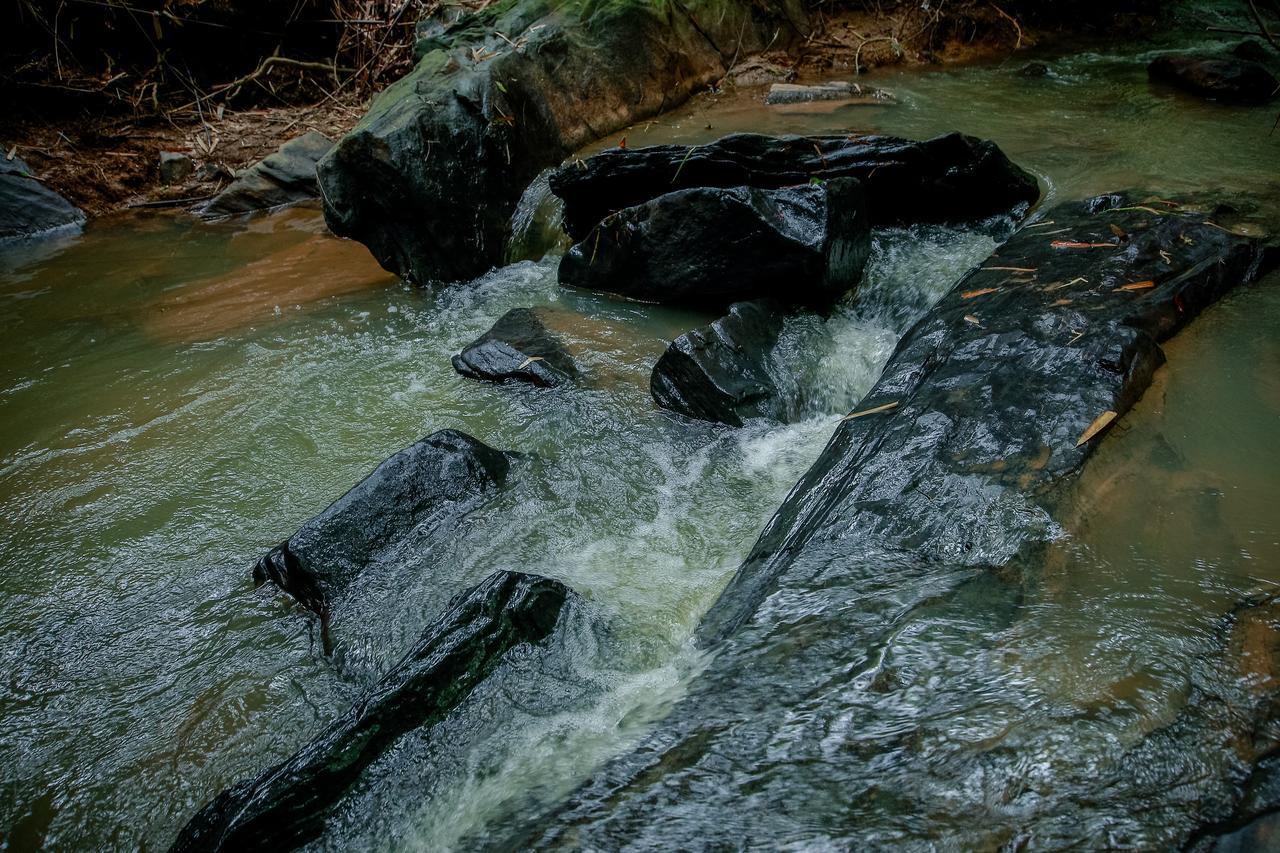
(175, 398)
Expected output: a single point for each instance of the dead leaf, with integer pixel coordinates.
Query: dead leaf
(1165, 256)
(1068, 244)
(1118, 231)
(1098, 425)
(1137, 285)
(1059, 302)
(982, 291)
(12, 151)
(972, 320)
(530, 360)
(877, 410)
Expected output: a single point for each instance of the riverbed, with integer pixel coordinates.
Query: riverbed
(177, 397)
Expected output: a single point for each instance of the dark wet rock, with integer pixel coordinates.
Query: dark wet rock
(519, 347)
(28, 207)
(1034, 69)
(824, 714)
(286, 176)
(720, 373)
(287, 805)
(424, 489)
(1230, 80)
(1253, 52)
(429, 179)
(853, 93)
(710, 246)
(175, 167)
(949, 178)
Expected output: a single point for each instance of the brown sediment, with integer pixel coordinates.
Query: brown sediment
(316, 267)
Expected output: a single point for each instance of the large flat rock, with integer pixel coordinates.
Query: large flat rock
(951, 178)
(824, 719)
(286, 806)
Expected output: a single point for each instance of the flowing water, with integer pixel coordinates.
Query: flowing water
(175, 398)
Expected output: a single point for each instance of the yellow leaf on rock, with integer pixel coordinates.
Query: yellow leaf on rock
(1098, 425)
(1138, 285)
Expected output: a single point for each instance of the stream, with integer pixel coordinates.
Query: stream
(177, 397)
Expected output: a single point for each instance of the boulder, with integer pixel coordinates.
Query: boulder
(711, 246)
(518, 347)
(1035, 69)
(850, 93)
(820, 718)
(949, 178)
(428, 180)
(426, 488)
(287, 805)
(1227, 79)
(28, 207)
(719, 373)
(286, 176)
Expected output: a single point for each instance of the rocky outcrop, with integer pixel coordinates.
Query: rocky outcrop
(422, 490)
(287, 805)
(915, 514)
(430, 177)
(286, 176)
(710, 246)
(719, 373)
(28, 207)
(1228, 79)
(518, 347)
(949, 178)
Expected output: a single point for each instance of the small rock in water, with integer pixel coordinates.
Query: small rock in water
(712, 246)
(1253, 52)
(175, 167)
(853, 93)
(286, 176)
(520, 347)
(1034, 69)
(1232, 81)
(719, 373)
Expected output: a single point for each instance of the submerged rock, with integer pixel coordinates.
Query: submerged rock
(286, 176)
(427, 486)
(519, 347)
(948, 178)
(287, 805)
(1227, 79)
(720, 373)
(28, 207)
(711, 246)
(823, 717)
(429, 178)
(853, 93)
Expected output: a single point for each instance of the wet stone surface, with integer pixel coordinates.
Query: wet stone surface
(910, 535)
(949, 178)
(720, 372)
(286, 806)
(519, 347)
(711, 246)
(422, 491)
